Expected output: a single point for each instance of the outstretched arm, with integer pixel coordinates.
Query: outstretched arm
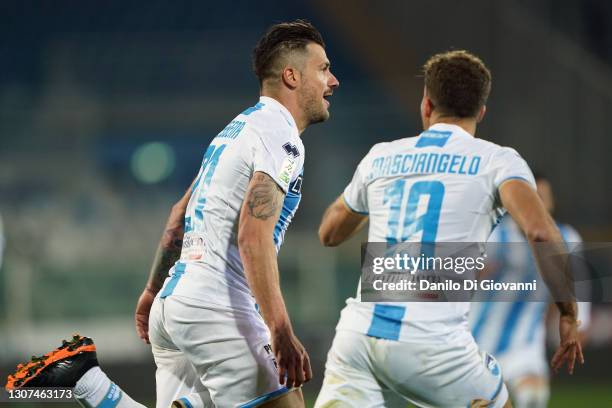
(168, 252)
(260, 212)
(526, 208)
(339, 223)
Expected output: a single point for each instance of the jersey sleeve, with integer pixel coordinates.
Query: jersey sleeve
(508, 165)
(276, 154)
(356, 193)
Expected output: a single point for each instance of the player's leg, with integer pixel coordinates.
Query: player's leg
(230, 350)
(349, 382)
(176, 378)
(486, 404)
(292, 399)
(441, 374)
(526, 374)
(95, 389)
(530, 391)
(73, 365)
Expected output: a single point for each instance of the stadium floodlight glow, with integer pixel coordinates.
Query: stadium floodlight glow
(152, 162)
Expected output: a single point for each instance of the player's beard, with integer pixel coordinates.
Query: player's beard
(312, 105)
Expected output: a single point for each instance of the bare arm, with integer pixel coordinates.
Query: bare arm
(260, 212)
(529, 212)
(168, 252)
(169, 248)
(339, 223)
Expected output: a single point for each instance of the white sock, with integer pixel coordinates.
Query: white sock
(95, 390)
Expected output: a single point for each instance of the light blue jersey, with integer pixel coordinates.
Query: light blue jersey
(441, 186)
(514, 331)
(263, 138)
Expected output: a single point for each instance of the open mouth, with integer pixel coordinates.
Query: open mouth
(326, 99)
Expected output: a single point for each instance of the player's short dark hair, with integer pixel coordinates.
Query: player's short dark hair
(457, 82)
(280, 40)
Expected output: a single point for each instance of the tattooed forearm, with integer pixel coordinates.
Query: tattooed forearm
(264, 198)
(168, 251)
(169, 248)
(165, 257)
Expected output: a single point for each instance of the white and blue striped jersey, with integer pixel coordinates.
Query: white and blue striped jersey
(263, 138)
(441, 186)
(515, 328)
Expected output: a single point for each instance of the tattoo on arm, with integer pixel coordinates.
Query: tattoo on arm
(171, 243)
(264, 198)
(168, 251)
(165, 257)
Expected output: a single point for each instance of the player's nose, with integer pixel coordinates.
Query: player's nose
(333, 82)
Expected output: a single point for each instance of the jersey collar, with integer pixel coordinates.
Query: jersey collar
(447, 127)
(283, 110)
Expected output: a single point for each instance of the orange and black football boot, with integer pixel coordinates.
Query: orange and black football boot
(61, 367)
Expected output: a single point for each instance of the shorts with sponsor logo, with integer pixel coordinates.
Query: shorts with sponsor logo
(211, 356)
(364, 371)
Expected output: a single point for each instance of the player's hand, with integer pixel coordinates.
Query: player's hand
(143, 307)
(292, 359)
(569, 349)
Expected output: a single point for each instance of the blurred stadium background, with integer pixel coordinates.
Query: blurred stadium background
(106, 108)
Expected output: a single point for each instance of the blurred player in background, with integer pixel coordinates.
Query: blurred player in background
(2, 241)
(211, 345)
(515, 332)
(386, 353)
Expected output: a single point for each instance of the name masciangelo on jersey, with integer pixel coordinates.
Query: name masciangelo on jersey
(441, 186)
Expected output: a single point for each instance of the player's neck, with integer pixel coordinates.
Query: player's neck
(467, 124)
(291, 104)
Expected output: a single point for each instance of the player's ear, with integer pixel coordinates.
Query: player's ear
(291, 77)
(427, 106)
(481, 113)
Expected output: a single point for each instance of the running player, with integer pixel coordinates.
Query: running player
(218, 326)
(444, 185)
(515, 332)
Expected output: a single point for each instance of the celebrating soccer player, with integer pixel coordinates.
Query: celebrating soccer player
(444, 185)
(219, 329)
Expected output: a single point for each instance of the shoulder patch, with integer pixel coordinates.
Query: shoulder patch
(291, 149)
(287, 169)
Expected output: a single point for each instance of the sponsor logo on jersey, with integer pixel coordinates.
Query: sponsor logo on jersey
(287, 170)
(291, 149)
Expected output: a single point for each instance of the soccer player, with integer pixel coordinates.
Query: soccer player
(218, 325)
(515, 332)
(444, 185)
